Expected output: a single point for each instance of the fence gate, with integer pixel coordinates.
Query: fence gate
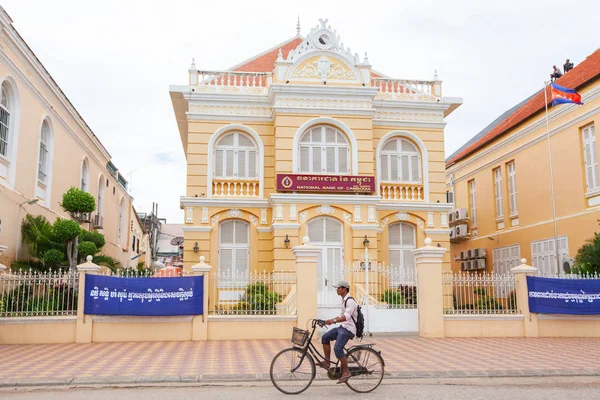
(387, 295)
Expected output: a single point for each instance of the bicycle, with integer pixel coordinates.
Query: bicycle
(293, 369)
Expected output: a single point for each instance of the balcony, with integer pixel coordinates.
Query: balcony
(402, 191)
(407, 90)
(235, 188)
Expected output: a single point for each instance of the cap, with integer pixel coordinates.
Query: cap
(342, 284)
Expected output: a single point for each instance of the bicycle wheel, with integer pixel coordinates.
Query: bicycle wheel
(366, 367)
(290, 373)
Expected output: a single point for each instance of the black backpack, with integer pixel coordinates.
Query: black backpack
(360, 319)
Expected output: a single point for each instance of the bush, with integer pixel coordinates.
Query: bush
(76, 201)
(392, 298)
(485, 302)
(66, 229)
(260, 299)
(409, 292)
(85, 249)
(53, 258)
(95, 237)
(107, 261)
(587, 260)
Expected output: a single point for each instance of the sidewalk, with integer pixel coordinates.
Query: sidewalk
(405, 357)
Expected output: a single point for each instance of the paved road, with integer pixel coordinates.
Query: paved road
(489, 389)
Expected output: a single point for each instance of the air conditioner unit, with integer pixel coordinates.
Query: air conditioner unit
(478, 264)
(452, 233)
(460, 214)
(465, 265)
(470, 254)
(461, 230)
(451, 216)
(98, 221)
(463, 255)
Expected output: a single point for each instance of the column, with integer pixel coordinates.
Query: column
(307, 258)
(530, 321)
(429, 290)
(200, 322)
(83, 332)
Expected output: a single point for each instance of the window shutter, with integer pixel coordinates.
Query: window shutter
(394, 167)
(408, 235)
(395, 259)
(219, 163)
(252, 164)
(316, 161)
(330, 135)
(241, 232)
(384, 168)
(333, 231)
(594, 156)
(405, 168)
(394, 234)
(242, 173)
(315, 230)
(330, 160)
(408, 261)
(304, 159)
(242, 263)
(226, 260)
(343, 160)
(229, 163)
(244, 141)
(227, 232)
(415, 169)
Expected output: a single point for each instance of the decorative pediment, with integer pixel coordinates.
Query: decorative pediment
(323, 68)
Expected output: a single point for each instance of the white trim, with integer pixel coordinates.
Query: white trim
(359, 227)
(261, 156)
(263, 229)
(47, 200)
(13, 130)
(285, 226)
(321, 199)
(399, 206)
(437, 231)
(251, 318)
(484, 317)
(85, 178)
(225, 202)
(196, 228)
(132, 319)
(569, 316)
(424, 159)
(408, 124)
(329, 121)
(38, 320)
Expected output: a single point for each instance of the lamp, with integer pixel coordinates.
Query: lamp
(33, 201)
(196, 247)
(366, 242)
(286, 242)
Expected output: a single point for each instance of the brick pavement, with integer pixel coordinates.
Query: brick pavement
(405, 357)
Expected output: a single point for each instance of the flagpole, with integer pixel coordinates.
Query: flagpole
(551, 180)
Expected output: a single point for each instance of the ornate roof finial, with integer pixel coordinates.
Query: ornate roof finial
(298, 26)
(366, 60)
(280, 56)
(193, 66)
(435, 75)
(323, 22)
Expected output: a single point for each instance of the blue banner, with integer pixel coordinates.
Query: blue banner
(563, 296)
(109, 295)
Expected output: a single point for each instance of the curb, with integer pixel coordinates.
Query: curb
(264, 377)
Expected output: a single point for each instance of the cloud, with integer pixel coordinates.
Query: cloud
(162, 158)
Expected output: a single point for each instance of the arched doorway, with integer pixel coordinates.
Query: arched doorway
(328, 234)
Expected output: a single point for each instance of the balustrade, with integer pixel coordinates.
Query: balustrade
(233, 81)
(402, 89)
(235, 188)
(401, 192)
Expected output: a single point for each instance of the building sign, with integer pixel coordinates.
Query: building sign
(109, 295)
(563, 296)
(325, 183)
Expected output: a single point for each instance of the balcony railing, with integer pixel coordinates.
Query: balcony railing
(401, 191)
(235, 188)
(239, 82)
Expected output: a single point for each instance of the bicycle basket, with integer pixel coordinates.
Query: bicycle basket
(299, 336)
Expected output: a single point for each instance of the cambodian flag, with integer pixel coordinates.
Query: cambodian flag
(562, 95)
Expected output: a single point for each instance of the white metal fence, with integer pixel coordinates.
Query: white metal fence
(484, 293)
(562, 275)
(35, 293)
(254, 293)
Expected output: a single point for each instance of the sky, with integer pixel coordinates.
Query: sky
(115, 60)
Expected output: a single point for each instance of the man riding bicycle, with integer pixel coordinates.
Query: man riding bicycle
(342, 333)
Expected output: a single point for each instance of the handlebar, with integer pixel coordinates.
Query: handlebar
(319, 322)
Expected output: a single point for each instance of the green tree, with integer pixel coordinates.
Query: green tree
(37, 234)
(68, 231)
(79, 205)
(587, 260)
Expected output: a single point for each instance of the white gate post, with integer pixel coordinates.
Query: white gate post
(83, 330)
(307, 258)
(429, 289)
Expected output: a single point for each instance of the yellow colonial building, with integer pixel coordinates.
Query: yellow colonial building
(45, 148)
(306, 139)
(509, 203)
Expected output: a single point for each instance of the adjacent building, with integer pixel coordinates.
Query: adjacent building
(45, 148)
(510, 201)
(307, 139)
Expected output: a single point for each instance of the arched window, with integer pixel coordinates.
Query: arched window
(5, 120)
(401, 242)
(324, 150)
(236, 156)
(234, 248)
(122, 224)
(327, 233)
(43, 162)
(85, 175)
(100, 198)
(400, 161)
